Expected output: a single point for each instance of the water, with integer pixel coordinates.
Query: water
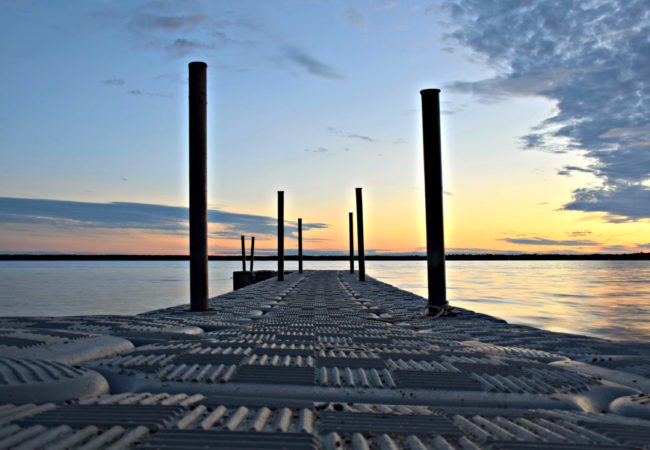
(609, 299)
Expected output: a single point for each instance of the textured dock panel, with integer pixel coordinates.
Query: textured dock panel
(383, 423)
(57, 345)
(275, 375)
(190, 440)
(436, 380)
(9, 341)
(63, 437)
(325, 361)
(358, 363)
(79, 416)
(209, 358)
(33, 381)
(627, 434)
(499, 445)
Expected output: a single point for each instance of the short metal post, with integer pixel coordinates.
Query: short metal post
(280, 235)
(243, 254)
(198, 187)
(362, 252)
(252, 251)
(299, 245)
(350, 221)
(433, 196)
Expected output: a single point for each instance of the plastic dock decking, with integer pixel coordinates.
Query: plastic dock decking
(320, 360)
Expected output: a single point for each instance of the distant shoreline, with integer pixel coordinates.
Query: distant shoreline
(449, 257)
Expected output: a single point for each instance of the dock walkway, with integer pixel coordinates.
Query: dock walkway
(320, 360)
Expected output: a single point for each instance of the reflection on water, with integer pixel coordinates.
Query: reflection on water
(601, 298)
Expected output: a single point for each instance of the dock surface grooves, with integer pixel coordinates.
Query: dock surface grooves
(319, 360)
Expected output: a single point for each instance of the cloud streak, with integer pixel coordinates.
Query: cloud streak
(545, 241)
(114, 82)
(591, 60)
(311, 65)
(141, 216)
(349, 135)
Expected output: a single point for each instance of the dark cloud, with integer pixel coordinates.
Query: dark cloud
(545, 241)
(591, 59)
(621, 203)
(568, 170)
(122, 215)
(114, 82)
(347, 134)
(311, 65)
(579, 233)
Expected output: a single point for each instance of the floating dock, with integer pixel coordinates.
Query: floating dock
(318, 361)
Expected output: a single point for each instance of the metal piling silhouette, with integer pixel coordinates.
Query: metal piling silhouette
(198, 186)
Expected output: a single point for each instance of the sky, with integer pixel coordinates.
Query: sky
(545, 123)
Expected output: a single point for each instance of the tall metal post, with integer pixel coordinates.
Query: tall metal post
(252, 252)
(362, 252)
(350, 222)
(433, 195)
(280, 235)
(299, 245)
(198, 186)
(243, 254)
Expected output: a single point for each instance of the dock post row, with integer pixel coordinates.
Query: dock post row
(252, 253)
(299, 245)
(243, 253)
(198, 187)
(361, 251)
(436, 279)
(351, 226)
(280, 235)
(433, 195)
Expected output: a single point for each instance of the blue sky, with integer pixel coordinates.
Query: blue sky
(546, 123)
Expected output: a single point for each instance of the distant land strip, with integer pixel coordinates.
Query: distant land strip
(450, 257)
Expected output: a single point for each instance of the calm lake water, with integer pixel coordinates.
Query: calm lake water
(608, 299)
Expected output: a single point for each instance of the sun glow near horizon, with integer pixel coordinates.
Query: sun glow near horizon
(93, 132)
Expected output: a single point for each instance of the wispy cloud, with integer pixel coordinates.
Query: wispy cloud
(546, 241)
(355, 18)
(147, 21)
(138, 93)
(183, 47)
(114, 82)
(591, 60)
(311, 65)
(176, 28)
(350, 135)
(143, 216)
(317, 150)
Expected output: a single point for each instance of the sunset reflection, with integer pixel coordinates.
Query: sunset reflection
(606, 299)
